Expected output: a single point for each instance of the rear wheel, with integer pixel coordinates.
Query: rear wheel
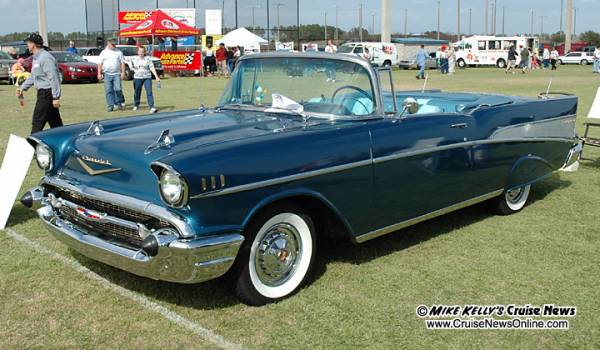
(276, 257)
(461, 63)
(513, 201)
(387, 63)
(584, 62)
(501, 63)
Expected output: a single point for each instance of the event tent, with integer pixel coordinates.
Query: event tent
(159, 24)
(241, 37)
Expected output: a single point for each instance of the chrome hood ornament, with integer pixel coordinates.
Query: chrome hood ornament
(165, 140)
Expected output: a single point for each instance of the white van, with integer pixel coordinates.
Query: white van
(382, 54)
(488, 50)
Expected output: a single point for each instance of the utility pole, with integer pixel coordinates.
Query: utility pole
(253, 26)
(236, 14)
(458, 22)
(531, 31)
(494, 19)
(337, 23)
(268, 23)
(486, 18)
(325, 26)
(568, 31)
(439, 8)
(372, 23)
(42, 21)
(503, 20)
(574, 21)
(542, 25)
(562, 6)
(386, 30)
(360, 21)
(278, 5)
(405, 22)
(298, 23)
(470, 21)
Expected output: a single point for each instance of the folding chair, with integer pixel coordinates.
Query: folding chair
(593, 120)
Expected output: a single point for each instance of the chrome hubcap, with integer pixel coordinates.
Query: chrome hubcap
(278, 254)
(514, 196)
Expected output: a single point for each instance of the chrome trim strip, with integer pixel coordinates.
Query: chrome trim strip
(338, 168)
(161, 213)
(395, 227)
(465, 144)
(529, 129)
(284, 179)
(103, 217)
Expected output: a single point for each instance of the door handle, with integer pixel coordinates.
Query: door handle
(459, 126)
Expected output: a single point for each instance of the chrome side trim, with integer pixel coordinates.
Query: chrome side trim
(395, 227)
(399, 155)
(407, 154)
(284, 179)
(563, 127)
(185, 230)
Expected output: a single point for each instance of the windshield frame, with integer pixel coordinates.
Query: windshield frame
(373, 81)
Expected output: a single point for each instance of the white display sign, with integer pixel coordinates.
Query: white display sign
(183, 15)
(12, 173)
(213, 22)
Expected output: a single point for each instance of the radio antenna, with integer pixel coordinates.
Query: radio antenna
(549, 86)
(425, 83)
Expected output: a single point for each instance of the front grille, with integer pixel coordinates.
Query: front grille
(110, 230)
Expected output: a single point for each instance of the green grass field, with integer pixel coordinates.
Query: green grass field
(360, 296)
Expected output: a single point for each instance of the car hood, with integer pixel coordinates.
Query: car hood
(125, 145)
(78, 64)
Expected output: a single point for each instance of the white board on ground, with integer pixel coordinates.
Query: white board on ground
(12, 173)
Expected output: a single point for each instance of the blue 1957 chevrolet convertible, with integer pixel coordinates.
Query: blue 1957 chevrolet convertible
(300, 146)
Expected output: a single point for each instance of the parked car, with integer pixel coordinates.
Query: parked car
(578, 57)
(247, 187)
(88, 51)
(128, 52)
(382, 54)
(74, 68)
(6, 63)
(412, 63)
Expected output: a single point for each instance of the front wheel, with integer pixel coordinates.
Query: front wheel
(584, 62)
(501, 63)
(513, 201)
(276, 257)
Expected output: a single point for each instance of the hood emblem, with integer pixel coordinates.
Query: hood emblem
(83, 160)
(165, 140)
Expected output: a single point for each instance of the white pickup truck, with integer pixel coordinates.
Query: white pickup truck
(91, 55)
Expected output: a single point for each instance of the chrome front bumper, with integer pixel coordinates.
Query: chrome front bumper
(180, 260)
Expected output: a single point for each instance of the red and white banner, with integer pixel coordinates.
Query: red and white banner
(179, 60)
(133, 17)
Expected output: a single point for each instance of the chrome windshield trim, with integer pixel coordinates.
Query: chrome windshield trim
(161, 213)
(284, 179)
(395, 227)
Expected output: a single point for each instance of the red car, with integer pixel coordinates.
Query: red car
(74, 68)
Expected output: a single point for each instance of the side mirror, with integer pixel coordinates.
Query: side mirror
(410, 106)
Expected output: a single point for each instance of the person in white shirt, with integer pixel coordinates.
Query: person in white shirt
(331, 74)
(597, 60)
(112, 69)
(143, 68)
(366, 54)
(553, 58)
(546, 58)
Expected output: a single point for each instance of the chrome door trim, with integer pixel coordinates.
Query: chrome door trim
(395, 227)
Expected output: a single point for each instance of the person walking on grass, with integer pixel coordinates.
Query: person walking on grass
(221, 56)
(45, 77)
(553, 57)
(421, 61)
(112, 69)
(451, 60)
(330, 66)
(546, 58)
(512, 60)
(597, 60)
(143, 69)
(524, 59)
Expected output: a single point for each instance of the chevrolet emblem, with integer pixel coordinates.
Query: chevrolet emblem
(82, 161)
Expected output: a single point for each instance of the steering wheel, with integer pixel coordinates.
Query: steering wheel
(351, 87)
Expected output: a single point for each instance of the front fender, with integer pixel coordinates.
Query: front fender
(527, 170)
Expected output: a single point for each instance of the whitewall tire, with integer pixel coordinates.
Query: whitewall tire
(513, 201)
(277, 255)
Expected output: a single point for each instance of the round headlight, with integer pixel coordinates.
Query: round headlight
(43, 156)
(172, 187)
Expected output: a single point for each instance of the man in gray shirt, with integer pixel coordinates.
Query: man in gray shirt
(45, 77)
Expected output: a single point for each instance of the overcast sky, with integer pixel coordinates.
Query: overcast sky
(69, 15)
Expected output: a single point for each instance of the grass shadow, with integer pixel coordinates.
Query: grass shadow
(20, 215)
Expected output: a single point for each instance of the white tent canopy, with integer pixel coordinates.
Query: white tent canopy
(241, 37)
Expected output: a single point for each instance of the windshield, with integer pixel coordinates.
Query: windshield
(128, 50)
(64, 57)
(321, 86)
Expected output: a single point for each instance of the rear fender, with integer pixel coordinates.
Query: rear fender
(527, 170)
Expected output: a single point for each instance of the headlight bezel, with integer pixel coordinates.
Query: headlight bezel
(182, 199)
(50, 154)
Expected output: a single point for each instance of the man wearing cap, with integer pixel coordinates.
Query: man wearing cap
(112, 69)
(45, 77)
